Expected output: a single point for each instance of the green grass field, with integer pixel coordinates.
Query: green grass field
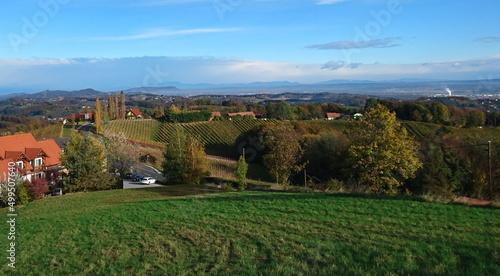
(187, 230)
(68, 130)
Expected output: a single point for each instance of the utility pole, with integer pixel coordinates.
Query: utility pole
(490, 174)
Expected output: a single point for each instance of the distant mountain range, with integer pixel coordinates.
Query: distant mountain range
(151, 90)
(332, 86)
(89, 92)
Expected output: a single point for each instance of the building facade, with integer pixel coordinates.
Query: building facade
(33, 159)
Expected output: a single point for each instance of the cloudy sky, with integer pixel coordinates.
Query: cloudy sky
(118, 44)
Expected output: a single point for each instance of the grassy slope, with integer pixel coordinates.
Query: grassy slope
(159, 230)
(48, 132)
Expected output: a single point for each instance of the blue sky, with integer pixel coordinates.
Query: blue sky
(116, 44)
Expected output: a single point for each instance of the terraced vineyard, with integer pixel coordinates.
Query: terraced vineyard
(419, 129)
(416, 129)
(219, 137)
(139, 130)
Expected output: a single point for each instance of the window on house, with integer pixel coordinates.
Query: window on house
(20, 164)
(38, 161)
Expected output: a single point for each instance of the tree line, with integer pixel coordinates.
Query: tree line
(433, 112)
(376, 154)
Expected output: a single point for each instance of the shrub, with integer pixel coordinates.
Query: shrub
(241, 173)
(37, 188)
(226, 186)
(335, 185)
(23, 195)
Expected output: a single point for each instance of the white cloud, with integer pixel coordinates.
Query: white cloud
(160, 32)
(328, 2)
(489, 39)
(107, 74)
(335, 65)
(373, 43)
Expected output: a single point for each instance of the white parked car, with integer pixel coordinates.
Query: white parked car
(148, 180)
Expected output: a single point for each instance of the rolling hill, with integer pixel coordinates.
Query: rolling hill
(188, 230)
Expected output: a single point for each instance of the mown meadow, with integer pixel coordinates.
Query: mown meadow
(186, 230)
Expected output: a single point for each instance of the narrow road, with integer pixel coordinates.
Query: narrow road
(146, 171)
(130, 184)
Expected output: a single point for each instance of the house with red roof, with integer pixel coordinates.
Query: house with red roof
(133, 113)
(332, 116)
(32, 159)
(215, 114)
(82, 116)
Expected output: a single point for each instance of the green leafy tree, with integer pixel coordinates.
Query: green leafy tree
(475, 118)
(382, 153)
(85, 161)
(280, 111)
(185, 160)
(440, 113)
(174, 166)
(241, 173)
(325, 154)
(284, 151)
(196, 162)
(435, 176)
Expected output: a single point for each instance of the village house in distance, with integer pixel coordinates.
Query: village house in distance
(34, 159)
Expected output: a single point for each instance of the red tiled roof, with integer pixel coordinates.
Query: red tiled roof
(86, 116)
(53, 152)
(216, 114)
(241, 114)
(14, 155)
(332, 115)
(33, 153)
(14, 147)
(135, 111)
(16, 142)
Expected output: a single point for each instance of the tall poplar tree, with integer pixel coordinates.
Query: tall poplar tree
(111, 107)
(122, 105)
(97, 116)
(116, 107)
(104, 112)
